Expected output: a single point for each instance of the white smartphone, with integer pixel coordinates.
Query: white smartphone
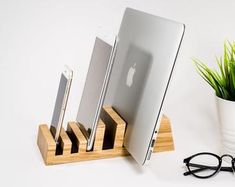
(61, 102)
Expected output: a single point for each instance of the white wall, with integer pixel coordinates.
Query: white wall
(38, 37)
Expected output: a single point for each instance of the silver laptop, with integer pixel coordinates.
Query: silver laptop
(95, 88)
(146, 52)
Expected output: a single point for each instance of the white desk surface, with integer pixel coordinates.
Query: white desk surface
(38, 37)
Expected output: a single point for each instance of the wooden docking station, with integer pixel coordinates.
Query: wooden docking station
(108, 141)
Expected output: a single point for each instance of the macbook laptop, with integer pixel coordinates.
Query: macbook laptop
(145, 56)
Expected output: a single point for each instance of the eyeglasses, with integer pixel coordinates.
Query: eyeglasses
(205, 165)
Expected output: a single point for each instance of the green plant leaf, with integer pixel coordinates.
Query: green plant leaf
(223, 82)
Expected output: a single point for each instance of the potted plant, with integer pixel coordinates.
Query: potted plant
(223, 83)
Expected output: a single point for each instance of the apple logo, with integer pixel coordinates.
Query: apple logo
(130, 75)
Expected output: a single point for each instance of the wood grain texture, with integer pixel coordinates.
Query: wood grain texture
(164, 141)
(46, 142)
(66, 143)
(93, 155)
(165, 125)
(99, 136)
(115, 127)
(163, 148)
(111, 128)
(81, 140)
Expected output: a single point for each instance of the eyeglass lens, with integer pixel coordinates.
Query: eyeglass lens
(204, 165)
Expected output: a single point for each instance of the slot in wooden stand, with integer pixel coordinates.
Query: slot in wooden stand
(108, 141)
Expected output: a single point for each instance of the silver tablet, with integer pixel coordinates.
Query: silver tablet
(95, 88)
(147, 49)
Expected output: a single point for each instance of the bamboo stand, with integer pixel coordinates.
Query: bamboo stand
(108, 141)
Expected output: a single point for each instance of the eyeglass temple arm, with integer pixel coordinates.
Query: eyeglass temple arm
(204, 167)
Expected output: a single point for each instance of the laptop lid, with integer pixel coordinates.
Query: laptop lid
(145, 56)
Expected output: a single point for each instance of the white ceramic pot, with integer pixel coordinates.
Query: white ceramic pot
(226, 113)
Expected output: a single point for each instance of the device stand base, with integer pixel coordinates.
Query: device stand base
(108, 140)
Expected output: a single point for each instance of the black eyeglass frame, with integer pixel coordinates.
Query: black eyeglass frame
(203, 167)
